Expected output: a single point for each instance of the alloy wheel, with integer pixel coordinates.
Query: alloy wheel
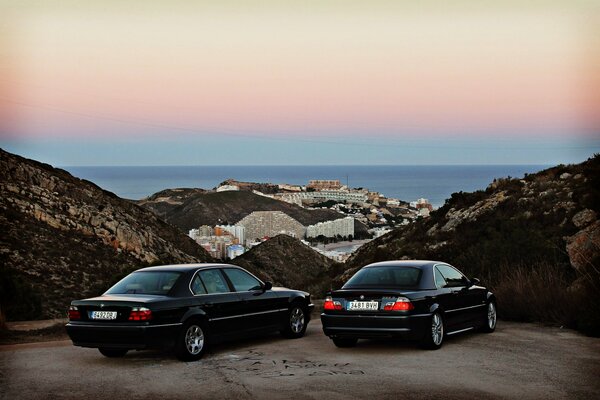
(491, 315)
(194, 339)
(297, 320)
(437, 329)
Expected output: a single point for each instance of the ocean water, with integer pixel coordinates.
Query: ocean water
(433, 182)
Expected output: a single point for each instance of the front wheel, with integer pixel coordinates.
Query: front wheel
(491, 318)
(112, 353)
(434, 336)
(296, 322)
(191, 341)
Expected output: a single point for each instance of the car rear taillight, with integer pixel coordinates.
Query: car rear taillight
(140, 314)
(401, 304)
(73, 313)
(331, 305)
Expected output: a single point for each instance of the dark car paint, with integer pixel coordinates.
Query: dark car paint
(462, 308)
(227, 315)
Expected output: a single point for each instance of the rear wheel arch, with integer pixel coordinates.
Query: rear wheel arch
(435, 307)
(198, 314)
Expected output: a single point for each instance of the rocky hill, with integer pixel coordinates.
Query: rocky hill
(288, 262)
(537, 237)
(64, 238)
(191, 208)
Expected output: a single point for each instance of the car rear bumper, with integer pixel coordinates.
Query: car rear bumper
(374, 326)
(120, 336)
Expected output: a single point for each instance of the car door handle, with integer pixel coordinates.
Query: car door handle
(208, 304)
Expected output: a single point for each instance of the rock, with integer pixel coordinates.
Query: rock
(565, 175)
(584, 218)
(583, 246)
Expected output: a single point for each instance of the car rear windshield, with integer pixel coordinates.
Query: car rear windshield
(388, 277)
(148, 282)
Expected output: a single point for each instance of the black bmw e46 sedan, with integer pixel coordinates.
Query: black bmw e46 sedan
(185, 307)
(423, 300)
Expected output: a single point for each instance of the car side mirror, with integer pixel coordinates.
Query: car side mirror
(475, 281)
(267, 286)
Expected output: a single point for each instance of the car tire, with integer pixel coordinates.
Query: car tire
(434, 335)
(345, 342)
(296, 322)
(491, 318)
(112, 353)
(191, 341)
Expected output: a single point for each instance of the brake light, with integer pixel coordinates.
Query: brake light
(331, 305)
(140, 314)
(73, 313)
(401, 304)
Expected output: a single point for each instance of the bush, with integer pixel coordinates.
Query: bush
(18, 299)
(545, 292)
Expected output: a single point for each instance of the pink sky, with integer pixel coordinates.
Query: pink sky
(334, 71)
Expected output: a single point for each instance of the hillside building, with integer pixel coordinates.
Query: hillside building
(237, 231)
(321, 184)
(335, 195)
(260, 224)
(342, 227)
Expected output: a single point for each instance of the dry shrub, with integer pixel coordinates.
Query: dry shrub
(537, 292)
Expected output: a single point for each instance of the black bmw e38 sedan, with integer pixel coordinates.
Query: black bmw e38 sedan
(423, 300)
(185, 307)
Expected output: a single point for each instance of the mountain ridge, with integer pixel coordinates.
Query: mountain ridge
(64, 237)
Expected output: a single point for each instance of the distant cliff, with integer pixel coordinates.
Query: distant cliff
(63, 238)
(536, 240)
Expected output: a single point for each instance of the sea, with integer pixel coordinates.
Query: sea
(409, 183)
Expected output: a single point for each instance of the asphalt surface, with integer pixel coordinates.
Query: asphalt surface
(523, 361)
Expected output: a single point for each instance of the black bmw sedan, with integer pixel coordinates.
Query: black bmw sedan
(423, 300)
(185, 307)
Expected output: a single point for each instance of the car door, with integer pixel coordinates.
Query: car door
(218, 300)
(260, 308)
(457, 293)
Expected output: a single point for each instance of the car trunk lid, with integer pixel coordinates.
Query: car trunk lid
(112, 308)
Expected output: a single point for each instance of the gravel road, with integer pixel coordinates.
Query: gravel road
(523, 361)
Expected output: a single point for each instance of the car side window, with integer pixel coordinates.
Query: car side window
(213, 281)
(241, 280)
(197, 285)
(452, 277)
(440, 282)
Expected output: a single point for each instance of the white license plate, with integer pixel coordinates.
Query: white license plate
(103, 315)
(363, 306)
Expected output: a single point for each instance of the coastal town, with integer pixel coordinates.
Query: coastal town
(335, 238)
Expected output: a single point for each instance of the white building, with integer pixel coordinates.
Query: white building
(228, 188)
(235, 250)
(194, 233)
(292, 198)
(380, 231)
(335, 195)
(342, 227)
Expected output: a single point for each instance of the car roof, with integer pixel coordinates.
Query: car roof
(184, 267)
(405, 263)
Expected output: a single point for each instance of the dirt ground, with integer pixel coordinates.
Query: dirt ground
(523, 361)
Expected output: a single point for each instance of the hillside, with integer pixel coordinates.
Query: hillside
(191, 208)
(535, 240)
(286, 261)
(65, 238)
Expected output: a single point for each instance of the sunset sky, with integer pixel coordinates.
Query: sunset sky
(304, 82)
